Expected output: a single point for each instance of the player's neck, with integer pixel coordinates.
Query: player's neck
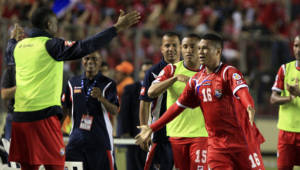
(90, 75)
(191, 66)
(211, 68)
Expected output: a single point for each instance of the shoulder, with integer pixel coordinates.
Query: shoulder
(75, 79)
(228, 70)
(132, 87)
(153, 71)
(106, 80)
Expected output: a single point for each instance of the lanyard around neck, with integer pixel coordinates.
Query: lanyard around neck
(89, 90)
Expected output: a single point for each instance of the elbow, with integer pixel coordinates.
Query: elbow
(272, 101)
(4, 96)
(151, 93)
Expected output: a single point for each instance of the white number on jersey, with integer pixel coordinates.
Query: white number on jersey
(206, 95)
(254, 160)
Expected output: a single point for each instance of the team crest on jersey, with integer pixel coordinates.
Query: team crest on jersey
(236, 76)
(77, 89)
(69, 43)
(142, 91)
(218, 93)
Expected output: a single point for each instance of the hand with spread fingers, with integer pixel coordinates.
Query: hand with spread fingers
(294, 89)
(17, 32)
(251, 113)
(142, 139)
(127, 20)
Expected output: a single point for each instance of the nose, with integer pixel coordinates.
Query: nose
(190, 49)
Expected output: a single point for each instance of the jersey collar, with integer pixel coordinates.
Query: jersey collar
(218, 67)
(36, 32)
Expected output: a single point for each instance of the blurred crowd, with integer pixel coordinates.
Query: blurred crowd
(258, 32)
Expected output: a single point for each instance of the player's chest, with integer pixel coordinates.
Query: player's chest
(210, 88)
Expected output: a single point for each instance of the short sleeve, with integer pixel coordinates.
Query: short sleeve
(279, 80)
(66, 98)
(111, 93)
(188, 98)
(149, 77)
(165, 74)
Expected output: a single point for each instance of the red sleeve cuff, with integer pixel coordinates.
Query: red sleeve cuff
(168, 116)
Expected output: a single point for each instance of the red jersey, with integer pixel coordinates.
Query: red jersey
(279, 81)
(226, 120)
(169, 71)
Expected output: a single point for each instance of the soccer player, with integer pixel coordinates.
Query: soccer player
(160, 154)
(286, 93)
(187, 133)
(36, 136)
(228, 110)
(91, 96)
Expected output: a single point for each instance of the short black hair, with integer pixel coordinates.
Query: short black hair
(172, 34)
(40, 17)
(216, 38)
(192, 35)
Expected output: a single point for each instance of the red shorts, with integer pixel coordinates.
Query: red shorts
(189, 153)
(37, 142)
(245, 159)
(288, 149)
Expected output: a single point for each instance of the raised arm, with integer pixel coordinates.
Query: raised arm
(62, 50)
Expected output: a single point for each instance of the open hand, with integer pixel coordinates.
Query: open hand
(17, 32)
(127, 20)
(143, 138)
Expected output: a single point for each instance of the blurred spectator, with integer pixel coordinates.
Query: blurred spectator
(123, 76)
(128, 119)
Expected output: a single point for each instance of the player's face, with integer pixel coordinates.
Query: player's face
(296, 48)
(52, 25)
(91, 63)
(170, 48)
(208, 53)
(189, 51)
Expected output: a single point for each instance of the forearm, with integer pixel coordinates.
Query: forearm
(144, 112)
(276, 98)
(111, 108)
(245, 97)
(97, 41)
(61, 50)
(8, 93)
(169, 115)
(158, 88)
